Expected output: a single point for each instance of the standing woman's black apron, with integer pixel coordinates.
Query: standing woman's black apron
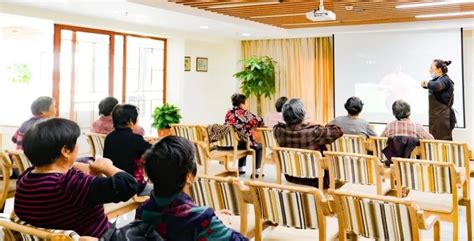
(439, 113)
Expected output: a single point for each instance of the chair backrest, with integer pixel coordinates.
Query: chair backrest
(445, 151)
(20, 160)
(350, 144)
(201, 153)
(6, 167)
(191, 132)
(424, 176)
(269, 140)
(299, 162)
(96, 143)
(353, 168)
(376, 217)
(217, 192)
(288, 206)
(18, 229)
(231, 139)
(377, 144)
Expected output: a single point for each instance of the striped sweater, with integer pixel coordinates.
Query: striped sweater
(58, 201)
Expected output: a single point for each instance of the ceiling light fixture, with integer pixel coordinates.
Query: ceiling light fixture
(237, 5)
(433, 4)
(278, 15)
(246, 34)
(440, 15)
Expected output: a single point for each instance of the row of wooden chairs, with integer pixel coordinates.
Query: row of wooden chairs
(296, 212)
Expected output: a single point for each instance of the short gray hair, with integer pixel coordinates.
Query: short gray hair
(293, 111)
(401, 109)
(41, 104)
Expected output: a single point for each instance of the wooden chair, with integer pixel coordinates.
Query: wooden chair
(227, 150)
(376, 144)
(358, 173)
(447, 151)
(96, 143)
(114, 210)
(300, 163)
(380, 217)
(203, 159)
(191, 132)
(20, 160)
(435, 187)
(19, 230)
(301, 210)
(349, 144)
(8, 185)
(268, 142)
(223, 193)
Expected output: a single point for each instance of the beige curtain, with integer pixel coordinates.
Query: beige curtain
(304, 70)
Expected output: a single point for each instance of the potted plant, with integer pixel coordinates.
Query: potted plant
(257, 78)
(163, 117)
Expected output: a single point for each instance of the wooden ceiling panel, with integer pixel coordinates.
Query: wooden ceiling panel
(291, 14)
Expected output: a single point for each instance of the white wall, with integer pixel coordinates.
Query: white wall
(206, 95)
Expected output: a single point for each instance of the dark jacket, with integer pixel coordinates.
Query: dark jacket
(399, 146)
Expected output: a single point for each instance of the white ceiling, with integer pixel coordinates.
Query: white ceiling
(176, 17)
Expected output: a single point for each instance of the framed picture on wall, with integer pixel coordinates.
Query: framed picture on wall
(201, 64)
(187, 63)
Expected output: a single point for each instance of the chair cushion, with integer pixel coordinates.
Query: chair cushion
(366, 189)
(283, 233)
(235, 220)
(11, 185)
(433, 201)
(110, 207)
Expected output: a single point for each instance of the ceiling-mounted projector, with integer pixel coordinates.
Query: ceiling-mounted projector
(321, 14)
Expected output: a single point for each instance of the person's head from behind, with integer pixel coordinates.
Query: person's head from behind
(401, 109)
(293, 111)
(439, 67)
(44, 106)
(107, 105)
(50, 141)
(124, 116)
(170, 165)
(354, 106)
(280, 102)
(238, 100)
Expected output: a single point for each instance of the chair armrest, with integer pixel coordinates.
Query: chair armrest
(427, 223)
(140, 199)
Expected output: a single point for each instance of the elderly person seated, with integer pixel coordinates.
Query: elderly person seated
(403, 126)
(57, 193)
(294, 133)
(104, 125)
(171, 167)
(42, 107)
(273, 118)
(351, 123)
(244, 123)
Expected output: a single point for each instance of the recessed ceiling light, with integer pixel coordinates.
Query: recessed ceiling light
(246, 34)
(203, 27)
(314, 23)
(278, 15)
(440, 15)
(236, 5)
(433, 4)
(349, 7)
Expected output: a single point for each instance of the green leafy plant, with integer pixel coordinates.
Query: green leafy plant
(165, 115)
(257, 78)
(19, 73)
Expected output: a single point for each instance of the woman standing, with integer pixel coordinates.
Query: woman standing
(441, 98)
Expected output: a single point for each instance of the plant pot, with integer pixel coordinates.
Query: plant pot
(164, 132)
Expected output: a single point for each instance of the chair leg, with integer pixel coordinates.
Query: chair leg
(456, 226)
(436, 233)
(469, 219)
